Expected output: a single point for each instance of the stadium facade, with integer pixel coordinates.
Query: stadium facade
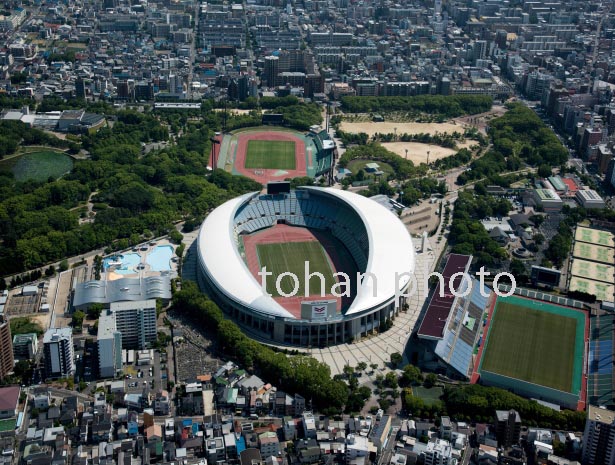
(375, 238)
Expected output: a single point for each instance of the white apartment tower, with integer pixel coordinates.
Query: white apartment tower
(136, 321)
(109, 346)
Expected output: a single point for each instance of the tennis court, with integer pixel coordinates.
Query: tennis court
(593, 252)
(594, 271)
(602, 291)
(594, 236)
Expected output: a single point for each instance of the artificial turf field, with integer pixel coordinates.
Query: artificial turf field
(536, 342)
(291, 257)
(271, 154)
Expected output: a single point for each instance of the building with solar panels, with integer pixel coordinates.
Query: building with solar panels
(452, 326)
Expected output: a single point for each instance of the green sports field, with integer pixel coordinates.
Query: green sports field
(291, 257)
(270, 154)
(536, 342)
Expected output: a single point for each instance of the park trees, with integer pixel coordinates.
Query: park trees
(297, 373)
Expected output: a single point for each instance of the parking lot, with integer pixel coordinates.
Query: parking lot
(151, 375)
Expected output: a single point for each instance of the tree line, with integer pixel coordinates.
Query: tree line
(448, 106)
(15, 133)
(294, 374)
(137, 195)
(468, 236)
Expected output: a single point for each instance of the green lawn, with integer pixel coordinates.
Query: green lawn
(533, 345)
(430, 396)
(271, 154)
(38, 165)
(291, 257)
(8, 425)
(359, 164)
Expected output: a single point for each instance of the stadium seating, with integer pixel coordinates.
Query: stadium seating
(312, 211)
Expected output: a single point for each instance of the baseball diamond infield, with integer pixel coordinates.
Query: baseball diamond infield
(246, 152)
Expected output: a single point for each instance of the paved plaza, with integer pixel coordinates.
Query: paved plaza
(378, 348)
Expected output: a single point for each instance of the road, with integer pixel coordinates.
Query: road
(389, 449)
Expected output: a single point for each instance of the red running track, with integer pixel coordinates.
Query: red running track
(281, 233)
(269, 175)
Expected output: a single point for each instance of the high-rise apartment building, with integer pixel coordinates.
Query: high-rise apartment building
(109, 346)
(136, 321)
(6, 348)
(59, 352)
(599, 437)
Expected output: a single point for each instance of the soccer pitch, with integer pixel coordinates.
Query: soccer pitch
(270, 154)
(291, 257)
(536, 342)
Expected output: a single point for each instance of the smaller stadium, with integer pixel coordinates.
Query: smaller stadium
(268, 154)
(537, 350)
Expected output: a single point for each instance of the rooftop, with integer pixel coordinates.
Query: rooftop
(9, 397)
(439, 308)
(55, 334)
(600, 414)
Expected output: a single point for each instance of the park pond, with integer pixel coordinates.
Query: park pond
(38, 166)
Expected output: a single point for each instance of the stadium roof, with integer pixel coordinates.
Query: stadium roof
(390, 251)
(439, 309)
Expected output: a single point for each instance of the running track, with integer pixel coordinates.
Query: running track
(270, 175)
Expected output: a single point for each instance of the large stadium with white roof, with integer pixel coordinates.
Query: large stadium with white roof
(362, 250)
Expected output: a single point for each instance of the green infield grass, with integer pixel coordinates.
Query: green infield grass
(270, 154)
(291, 257)
(535, 342)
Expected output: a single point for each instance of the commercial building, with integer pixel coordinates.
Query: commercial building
(269, 444)
(438, 452)
(109, 346)
(548, 200)
(589, 199)
(59, 352)
(136, 321)
(599, 437)
(25, 346)
(6, 348)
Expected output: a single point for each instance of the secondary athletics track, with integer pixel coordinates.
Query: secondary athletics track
(266, 175)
